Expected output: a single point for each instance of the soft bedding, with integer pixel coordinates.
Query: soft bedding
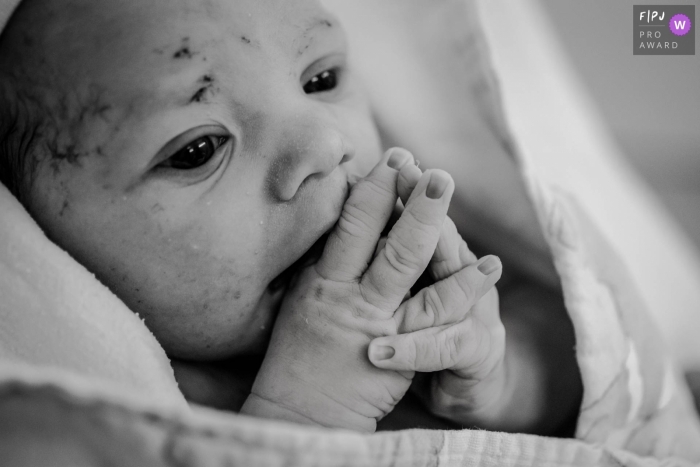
(83, 382)
(77, 431)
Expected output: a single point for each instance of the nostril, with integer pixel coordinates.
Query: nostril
(346, 158)
(348, 151)
(307, 153)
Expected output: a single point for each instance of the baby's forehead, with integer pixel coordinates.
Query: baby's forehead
(107, 61)
(102, 41)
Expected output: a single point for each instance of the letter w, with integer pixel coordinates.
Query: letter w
(681, 23)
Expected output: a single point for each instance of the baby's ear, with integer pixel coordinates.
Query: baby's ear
(409, 175)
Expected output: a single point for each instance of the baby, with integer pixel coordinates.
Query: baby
(195, 155)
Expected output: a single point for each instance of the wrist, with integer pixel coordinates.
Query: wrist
(317, 412)
(280, 394)
(261, 407)
(481, 402)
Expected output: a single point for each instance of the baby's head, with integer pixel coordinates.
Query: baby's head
(187, 152)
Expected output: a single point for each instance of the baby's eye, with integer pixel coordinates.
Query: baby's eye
(195, 154)
(327, 80)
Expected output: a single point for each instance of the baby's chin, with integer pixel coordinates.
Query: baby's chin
(271, 300)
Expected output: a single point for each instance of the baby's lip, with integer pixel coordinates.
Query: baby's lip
(353, 179)
(311, 256)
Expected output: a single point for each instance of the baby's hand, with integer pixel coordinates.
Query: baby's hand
(316, 368)
(440, 331)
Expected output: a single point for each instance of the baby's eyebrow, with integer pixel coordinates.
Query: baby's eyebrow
(306, 38)
(317, 23)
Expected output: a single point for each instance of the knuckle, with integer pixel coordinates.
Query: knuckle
(377, 188)
(400, 257)
(414, 316)
(423, 354)
(371, 293)
(354, 221)
(434, 307)
(412, 353)
(424, 219)
(452, 344)
(466, 287)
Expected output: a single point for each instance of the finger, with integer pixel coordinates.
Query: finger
(410, 244)
(395, 215)
(452, 253)
(433, 349)
(352, 242)
(409, 176)
(380, 245)
(449, 300)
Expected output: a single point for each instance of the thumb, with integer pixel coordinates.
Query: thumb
(427, 350)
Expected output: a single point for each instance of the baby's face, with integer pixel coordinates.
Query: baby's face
(204, 147)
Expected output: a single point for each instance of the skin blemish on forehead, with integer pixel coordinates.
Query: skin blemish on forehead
(199, 95)
(206, 86)
(184, 51)
(246, 40)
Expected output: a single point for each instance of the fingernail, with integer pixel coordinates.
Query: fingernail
(489, 266)
(382, 352)
(437, 185)
(399, 158)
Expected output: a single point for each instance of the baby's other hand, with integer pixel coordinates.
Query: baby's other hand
(463, 346)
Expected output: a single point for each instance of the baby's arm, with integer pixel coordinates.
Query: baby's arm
(530, 385)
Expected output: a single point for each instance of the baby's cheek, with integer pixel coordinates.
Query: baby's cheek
(196, 287)
(195, 295)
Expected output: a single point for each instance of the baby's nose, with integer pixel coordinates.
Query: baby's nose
(308, 151)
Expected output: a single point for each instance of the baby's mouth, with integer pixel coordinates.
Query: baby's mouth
(311, 256)
(352, 180)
